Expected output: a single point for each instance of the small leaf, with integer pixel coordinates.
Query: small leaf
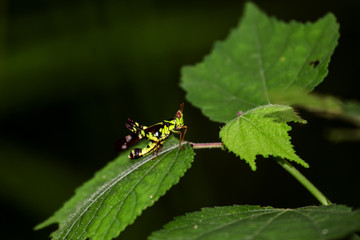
(254, 222)
(262, 131)
(261, 54)
(118, 193)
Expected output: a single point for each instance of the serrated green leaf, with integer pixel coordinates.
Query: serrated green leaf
(262, 131)
(254, 222)
(261, 54)
(118, 193)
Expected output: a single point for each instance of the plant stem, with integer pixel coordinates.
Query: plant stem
(206, 145)
(304, 181)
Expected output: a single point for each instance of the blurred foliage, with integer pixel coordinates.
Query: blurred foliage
(325, 106)
(71, 72)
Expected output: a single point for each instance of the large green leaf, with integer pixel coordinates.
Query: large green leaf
(262, 131)
(118, 193)
(254, 222)
(261, 54)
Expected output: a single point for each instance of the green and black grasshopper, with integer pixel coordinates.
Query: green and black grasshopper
(157, 134)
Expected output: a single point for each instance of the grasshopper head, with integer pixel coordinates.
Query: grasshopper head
(179, 118)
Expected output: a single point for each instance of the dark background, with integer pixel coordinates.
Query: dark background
(72, 72)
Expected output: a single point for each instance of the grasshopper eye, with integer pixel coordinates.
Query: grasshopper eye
(178, 114)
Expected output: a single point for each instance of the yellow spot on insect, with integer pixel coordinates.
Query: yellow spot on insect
(151, 196)
(282, 59)
(195, 226)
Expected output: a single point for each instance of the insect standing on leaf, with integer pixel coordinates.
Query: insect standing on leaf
(156, 134)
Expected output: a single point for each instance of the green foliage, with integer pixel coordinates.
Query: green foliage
(118, 193)
(311, 102)
(254, 222)
(352, 112)
(326, 106)
(260, 55)
(263, 131)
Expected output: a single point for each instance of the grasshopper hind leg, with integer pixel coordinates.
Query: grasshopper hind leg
(140, 152)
